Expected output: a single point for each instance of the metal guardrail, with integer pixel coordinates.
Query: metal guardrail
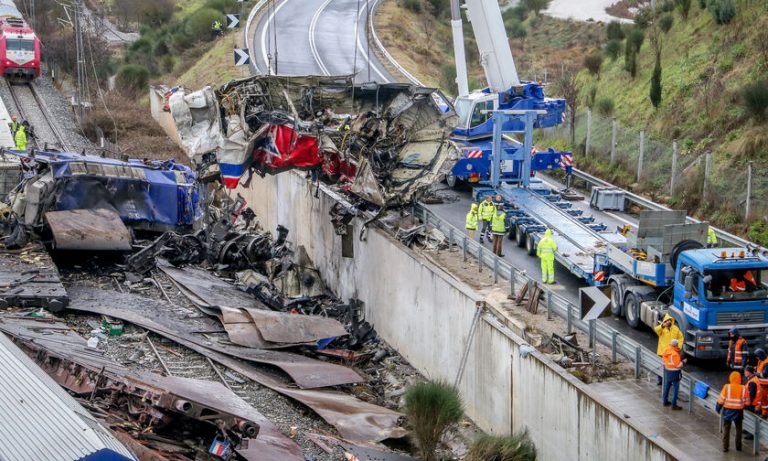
(384, 51)
(251, 52)
(641, 357)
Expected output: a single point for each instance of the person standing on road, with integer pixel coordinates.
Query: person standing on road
(546, 250)
(487, 210)
(732, 400)
(21, 138)
(499, 229)
(737, 351)
(754, 394)
(673, 371)
(711, 238)
(472, 220)
(762, 378)
(666, 330)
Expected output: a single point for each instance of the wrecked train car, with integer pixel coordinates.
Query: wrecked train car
(385, 143)
(87, 201)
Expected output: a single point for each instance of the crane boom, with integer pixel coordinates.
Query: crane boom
(492, 42)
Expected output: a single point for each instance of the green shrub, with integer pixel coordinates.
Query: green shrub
(198, 25)
(655, 93)
(432, 407)
(636, 38)
(754, 98)
(519, 12)
(448, 77)
(758, 232)
(517, 447)
(181, 41)
(703, 4)
(667, 6)
(223, 6)
(722, 10)
(516, 29)
(412, 5)
(536, 5)
(167, 63)
(612, 49)
(666, 21)
(160, 48)
(132, 77)
(605, 106)
(613, 31)
(684, 6)
(592, 62)
(441, 8)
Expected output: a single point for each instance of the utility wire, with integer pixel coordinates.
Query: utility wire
(367, 31)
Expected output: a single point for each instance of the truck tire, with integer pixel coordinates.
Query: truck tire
(683, 245)
(530, 245)
(615, 298)
(520, 237)
(632, 309)
(451, 181)
(512, 232)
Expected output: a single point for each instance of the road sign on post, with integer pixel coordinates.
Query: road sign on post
(241, 57)
(233, 21)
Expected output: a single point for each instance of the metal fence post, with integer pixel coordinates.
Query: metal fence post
(495, 269)
(589, 133)
(592, 334)
(570, 319)
(614, 336)
(674, 168)
(638, 351)
(512, 277)
(464, 247)
(642, 154)
(480, 259)
(614, 129)
(707, 160)
(691, 383)
(748, 206)
(549, 304)
(756, 440)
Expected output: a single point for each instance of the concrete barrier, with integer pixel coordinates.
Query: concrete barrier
(427, 315)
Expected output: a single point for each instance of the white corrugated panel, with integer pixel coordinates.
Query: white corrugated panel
(8, 9)
(39, 421)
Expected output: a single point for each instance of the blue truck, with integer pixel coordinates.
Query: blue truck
(659, 268)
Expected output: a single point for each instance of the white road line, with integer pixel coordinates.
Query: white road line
(312, 44)
(360, 45)
(264, 53)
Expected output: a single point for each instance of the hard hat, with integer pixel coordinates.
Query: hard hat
(750, 368)
(760, 354)
(734, 331)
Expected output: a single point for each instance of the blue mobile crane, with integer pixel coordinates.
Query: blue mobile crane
(660, 268)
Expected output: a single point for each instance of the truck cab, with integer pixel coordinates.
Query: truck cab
(715, 290)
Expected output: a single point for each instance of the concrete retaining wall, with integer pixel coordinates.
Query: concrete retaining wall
(426, 314)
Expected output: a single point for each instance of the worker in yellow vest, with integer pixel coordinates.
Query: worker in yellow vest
(472, 220)
(498, 229)
(487, 210)
(21, 138)
(711, 238)
(546, 252)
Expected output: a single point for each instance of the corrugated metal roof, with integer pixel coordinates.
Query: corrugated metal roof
(39, 421)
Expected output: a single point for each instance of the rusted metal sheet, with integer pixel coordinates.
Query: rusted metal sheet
(65, 356)
(96, 229)
(279, 327)
(153, 315)
(29, 278)
(208, 289)
(241, 329)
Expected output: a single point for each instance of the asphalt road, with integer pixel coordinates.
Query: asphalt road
(317, 37)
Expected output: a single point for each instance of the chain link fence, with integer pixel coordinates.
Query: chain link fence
(669, 172)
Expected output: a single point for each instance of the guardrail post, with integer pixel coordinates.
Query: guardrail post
(614, 336)
(589, 133)
(570, 319)
(480, 259)
(756, 440)
(691, 383)
(614, 129)
(512, 277)
(549, 304)
(674, 168)
(426, 218)
(496, 269)
(638, 351)
(592, 334)
(464, 247)
(642, 153)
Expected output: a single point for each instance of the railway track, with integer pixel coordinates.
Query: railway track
(31, 107)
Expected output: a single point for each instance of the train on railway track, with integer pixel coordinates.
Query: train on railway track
(19, 46)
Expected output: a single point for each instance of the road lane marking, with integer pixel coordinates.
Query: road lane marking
(264, 53)
(312, 44)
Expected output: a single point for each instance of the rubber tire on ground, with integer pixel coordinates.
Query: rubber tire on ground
(632, 310)
(451, 181)
(530, 245)
(520, 238)
(615, 303)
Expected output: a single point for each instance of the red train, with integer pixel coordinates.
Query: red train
(19, 46)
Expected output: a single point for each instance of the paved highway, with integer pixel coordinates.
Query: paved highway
(317, 37)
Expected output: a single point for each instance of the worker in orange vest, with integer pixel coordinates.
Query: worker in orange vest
(762, 378)
(673, 371)
(733, 398)
(737, 351)
(754, 394)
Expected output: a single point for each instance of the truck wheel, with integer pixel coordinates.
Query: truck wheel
(520, 237)
(530, 245)
(615, 298)
(632, 310)
(512, 232)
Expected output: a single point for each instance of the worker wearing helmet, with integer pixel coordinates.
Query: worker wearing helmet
(472, 220)
(21, 138)
(733, 398)
(486, 210)
(546, 252)
(762, 378)
(711, 238)
(737, 350)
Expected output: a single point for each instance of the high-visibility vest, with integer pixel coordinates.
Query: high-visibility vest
(21, 139)
(711, 237)
(739, 351)
(499, 223)
(487, 210)
(547, 247)
(671, 358)
(733, 397)
(760, 370)
(471, 220)
(758, 392)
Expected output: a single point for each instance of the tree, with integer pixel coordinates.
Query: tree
(754, 98)
(722, 10)
(665, 22)
(613, 31)
(517, 447)
(568, 86)
(612, 49)
(593, 62)
(432, 407)
(634, 42)
(656, 83)
(536, 5)
(605, 106)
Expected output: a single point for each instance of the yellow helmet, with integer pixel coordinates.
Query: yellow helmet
(473, 207)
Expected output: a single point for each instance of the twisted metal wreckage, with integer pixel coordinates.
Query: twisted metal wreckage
(384, 143)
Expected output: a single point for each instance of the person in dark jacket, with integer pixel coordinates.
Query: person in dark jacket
(754, 394)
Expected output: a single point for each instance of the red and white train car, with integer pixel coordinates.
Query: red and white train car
(19, 46)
